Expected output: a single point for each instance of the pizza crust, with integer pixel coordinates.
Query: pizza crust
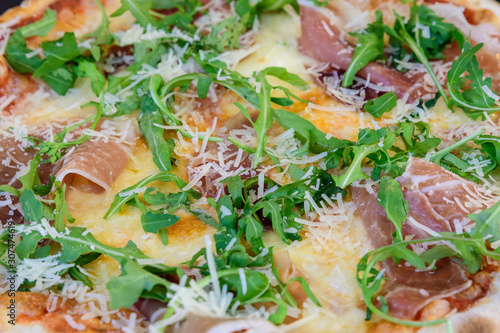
(33, 316)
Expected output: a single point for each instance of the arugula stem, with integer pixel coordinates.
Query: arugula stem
(419, 53)
(439, 155)
(154, 84)
(261, 125)
(238, 144)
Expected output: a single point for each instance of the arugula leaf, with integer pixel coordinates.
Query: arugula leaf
(87, 68)
(162, 149)
(380, 105)
(264, 121)
(152, 222)
(32, 207)
(272, 209)
(42, 27)
(134, 280)
(354, 172)
(61, 208)
(75, 244)
(83, 260)
(391, 198)
(58, 53)
(313, 139)
(474, 101)
(139, 9)
(226, 34)
(487, 223)
(235, 188)
(165, 176)
(55, 150)
(370, 47)
(101, 34)
(429, 31)
(401, 34)
(16, 53)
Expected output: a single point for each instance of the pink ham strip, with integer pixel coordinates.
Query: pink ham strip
(442, 188)
(328, 46)
(99, 162)
(13, 158)
(408, 290)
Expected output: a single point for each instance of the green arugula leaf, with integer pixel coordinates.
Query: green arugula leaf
(42, 27)
(32, 207)
(134, 280)
(354, 172)
(380, 105)
(57, 54)
(139, 9)
(235, 188)
(401, 34)
(152, 222)
(226, 34)
(128, 194)
(273, 210)
(487, 223)
(61, 211)
(162, 149)
(429, 31)
(254, 229)
(101, 34)
(265, 119)
(16, 53)
(314, 140)
(83, 260)
(474, 101)
(370, 47)
(87, 68)
(391, 198)
(77, 243)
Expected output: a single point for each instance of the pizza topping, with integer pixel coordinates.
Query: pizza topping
(330, 46)
(425, 219)
(419, 219)
(431, 226)
(96, 161)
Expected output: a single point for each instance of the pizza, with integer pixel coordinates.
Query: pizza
(250, 166)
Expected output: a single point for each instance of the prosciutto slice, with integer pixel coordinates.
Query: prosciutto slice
(94, 165)
(450, 196)
(324, 42)
(13, 158)
(433, 196)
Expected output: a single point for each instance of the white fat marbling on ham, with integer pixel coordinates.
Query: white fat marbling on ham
(432, 193)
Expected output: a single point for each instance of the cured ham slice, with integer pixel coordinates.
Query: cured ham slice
(323, 42)
(13, 158)
(449, 195)
(94, 165)
(433, 196)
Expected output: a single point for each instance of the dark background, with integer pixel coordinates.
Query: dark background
(6, 4)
